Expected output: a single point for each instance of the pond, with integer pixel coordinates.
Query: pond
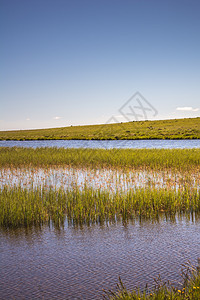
(167, 144)
(78, 262)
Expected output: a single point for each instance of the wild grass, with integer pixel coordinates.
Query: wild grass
(169, 184)
(27, 206)
(115, 184)
(189, 290)
(164, 129)
(182, 159)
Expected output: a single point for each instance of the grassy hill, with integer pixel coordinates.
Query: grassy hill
(164, 129)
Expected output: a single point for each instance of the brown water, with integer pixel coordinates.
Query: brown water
(77, 263)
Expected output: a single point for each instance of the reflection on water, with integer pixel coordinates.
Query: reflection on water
(112, 179)
(77, 263)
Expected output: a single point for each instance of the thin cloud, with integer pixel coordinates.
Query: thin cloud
(119, 116)
(27, 119)
(187, 108)
(57, 118)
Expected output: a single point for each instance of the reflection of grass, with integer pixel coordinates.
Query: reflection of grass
(190, 289)
(165, 129)
(26, 206)
(98, 158)
(114, 179)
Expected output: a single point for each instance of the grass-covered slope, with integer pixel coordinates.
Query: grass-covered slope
(164, 129)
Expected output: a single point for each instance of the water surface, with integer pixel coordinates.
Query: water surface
(101, 179)
(159, 144)
(77, 263)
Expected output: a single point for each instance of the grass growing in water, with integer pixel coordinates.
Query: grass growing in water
(22, 206)
(26, 206)
(100, 158)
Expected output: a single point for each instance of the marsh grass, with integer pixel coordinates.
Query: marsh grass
(171, 186)
(189, 289)
(118, 184)
(24, 207)
(182, 159)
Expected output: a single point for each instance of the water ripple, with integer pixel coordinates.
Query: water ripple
(77, 263)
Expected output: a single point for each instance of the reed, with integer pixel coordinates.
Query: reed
(26, 206)
(182, 159)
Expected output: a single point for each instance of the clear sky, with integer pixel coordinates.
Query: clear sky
(77, 62)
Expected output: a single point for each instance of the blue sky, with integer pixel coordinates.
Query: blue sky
(77, 62)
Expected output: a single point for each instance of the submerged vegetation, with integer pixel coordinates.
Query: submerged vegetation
(164, 129)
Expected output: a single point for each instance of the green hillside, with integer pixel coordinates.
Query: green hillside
(164, 129)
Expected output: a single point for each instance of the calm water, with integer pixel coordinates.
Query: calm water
(77, 263)
(103, 179)
(105, 144)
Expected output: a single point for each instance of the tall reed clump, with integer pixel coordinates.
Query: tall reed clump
(23, 206)
(29, 206)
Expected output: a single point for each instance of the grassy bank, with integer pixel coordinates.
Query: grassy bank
(189, 290)
(99, 158)
(164, 129)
